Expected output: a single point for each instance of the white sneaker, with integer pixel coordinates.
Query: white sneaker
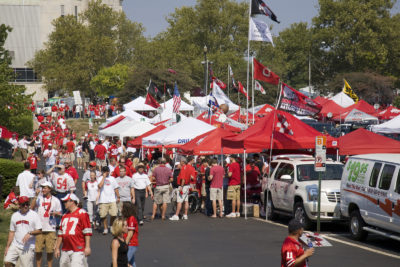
(105, 231)
(184, 217)
(174, 218)
(237, 214)
(231, 215)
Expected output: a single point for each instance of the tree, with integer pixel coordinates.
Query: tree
(78, 49)
(111, 80)
(396, 101)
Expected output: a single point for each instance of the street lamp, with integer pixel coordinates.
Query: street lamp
(205, 62)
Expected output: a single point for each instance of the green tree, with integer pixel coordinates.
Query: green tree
(110, 80)
(396, 101)
(78, 49)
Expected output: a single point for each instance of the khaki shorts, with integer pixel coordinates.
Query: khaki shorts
(216, 194)
(161, 194)
(85, 157)
(184, 197)
(25, 256)
(108, 208)
(233, 192)
(101, 162)
(73, 258)
(45, 240)
(71, 157)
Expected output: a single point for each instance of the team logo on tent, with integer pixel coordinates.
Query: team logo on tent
(283, 125)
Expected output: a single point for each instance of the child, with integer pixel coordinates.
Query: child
(93, 194)
(33, 160)
(79, 155)
(11, 201)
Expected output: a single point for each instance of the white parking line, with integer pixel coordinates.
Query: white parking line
(330, 237)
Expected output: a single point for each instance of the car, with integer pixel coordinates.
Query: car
(292, 190)
(6, 149)
(370, 191)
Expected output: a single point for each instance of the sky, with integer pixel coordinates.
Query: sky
(152, 13)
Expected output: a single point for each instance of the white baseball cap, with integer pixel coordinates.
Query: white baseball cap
(47, 183)
(70, 196)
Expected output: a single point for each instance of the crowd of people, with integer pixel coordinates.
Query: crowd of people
(51, 216)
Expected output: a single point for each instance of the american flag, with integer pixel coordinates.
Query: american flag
(177, 99)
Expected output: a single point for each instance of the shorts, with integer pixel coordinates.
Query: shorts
(45, 240)
(184, 197)
(25, 256)
(101, 162)
(233, 192)
(203, 190)
(86, 158)
(161, 194)
(73, 259)
(54, 114)
(216, 194)
(71, 157)
(108, 208)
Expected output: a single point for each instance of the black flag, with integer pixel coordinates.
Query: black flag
(259, 7)
(153, 90)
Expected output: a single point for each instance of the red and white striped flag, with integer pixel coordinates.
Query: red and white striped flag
(177, 99)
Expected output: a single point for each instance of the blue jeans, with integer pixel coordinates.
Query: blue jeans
(131, 255)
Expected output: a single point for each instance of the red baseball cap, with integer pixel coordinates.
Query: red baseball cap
(23, 199)
(93, 164)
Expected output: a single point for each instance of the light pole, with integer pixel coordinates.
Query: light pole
(205, 62)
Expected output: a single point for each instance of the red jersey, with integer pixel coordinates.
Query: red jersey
(113, 150)
(100, 151)
(72, 171)
(234, 168)
(73, 229)
(70, 146)
(11, 198)
(40, 118)
(133, 226)
(116, 172)
(291, 250)
(33, 162)
(252, 174)
(184, 174)
(54, 108)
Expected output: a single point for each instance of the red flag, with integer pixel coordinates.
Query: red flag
(262, 73)
(243, 90)
(151, 101)
(220, 83)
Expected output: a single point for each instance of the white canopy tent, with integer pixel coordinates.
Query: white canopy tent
(170, 103)
(390, 127)
(127, 129)
(178, 134)
(342, 100)
(129, 114)
(138, 104)
(356, 115)
(167, 114)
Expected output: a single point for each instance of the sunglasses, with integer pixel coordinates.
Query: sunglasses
(24, 204)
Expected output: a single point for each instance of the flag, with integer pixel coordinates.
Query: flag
(348, 91)
(259, 31)
(212, 104)
(177, 99)
(151, 101)
(153, 90)
(242, 89)
(259, 87)
(220, 83)
(233, 78)
(296, 102)
(283, 126)
(262, 73)
(172, 71)
(259, 7)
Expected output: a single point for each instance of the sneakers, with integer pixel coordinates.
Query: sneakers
(174, 218)
(237, 214)
(105, 231)
(184, 217)
(141, 223)
(231, 215)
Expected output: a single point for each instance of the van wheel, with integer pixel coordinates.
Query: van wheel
(356, 224)
(271, 215)
(300, 215)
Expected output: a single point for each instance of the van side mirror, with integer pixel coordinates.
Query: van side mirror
(286, 177)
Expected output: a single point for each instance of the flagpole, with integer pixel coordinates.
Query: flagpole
(252, 84)
(248, 69)
(228, 80)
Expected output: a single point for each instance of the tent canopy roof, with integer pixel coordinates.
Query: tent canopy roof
(342, 100)
(389, 127)
(139, 105)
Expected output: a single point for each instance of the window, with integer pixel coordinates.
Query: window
(25, 75)
(273, 167)
(62, 10)
(306, 172)
(397, 189)
(284, 169)
(375, 174)
(386, 177)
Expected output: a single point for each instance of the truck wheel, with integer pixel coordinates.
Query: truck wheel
(271, 215)
(299, 213)
(356, 225)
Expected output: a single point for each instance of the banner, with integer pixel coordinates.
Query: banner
(298, 103)
(259, 31)
(77, 97)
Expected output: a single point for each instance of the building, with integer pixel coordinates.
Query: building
(31, 22)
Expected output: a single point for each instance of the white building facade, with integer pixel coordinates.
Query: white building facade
(31, 23)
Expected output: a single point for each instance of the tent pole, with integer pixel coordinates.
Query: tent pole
(245, 184)
(252, 84)
(248, 70)
(228, 80)
(337, 154)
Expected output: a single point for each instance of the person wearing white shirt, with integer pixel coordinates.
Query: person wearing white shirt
(48, 208)
(141, 183)
(14, 142)
(109, 197)
(93, 195)
(23, 147)
(86, 176)
(50, 155)
(25, 224)
(25, 182)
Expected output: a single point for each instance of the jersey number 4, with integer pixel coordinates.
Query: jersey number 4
(69, 224)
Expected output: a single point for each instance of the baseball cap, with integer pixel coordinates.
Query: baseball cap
(50, 144)
(70, 196)
(23, 199)
(92, 163)
(47, 183)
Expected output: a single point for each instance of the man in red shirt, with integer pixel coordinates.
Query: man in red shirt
(292, 253)
(113, 151)
(216, 177)
(74, 234)
(233, 192)
(183, 191)
(70, 169)
(32, 159)
(191, 171)
(100, 152)
(71, 149)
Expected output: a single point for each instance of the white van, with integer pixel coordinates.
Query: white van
(370, 195)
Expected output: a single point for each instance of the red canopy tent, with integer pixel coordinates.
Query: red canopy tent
(388, 113)
(137, 142)
(321, 100)
(265, 110)
(216, 123)
(362, 141)
(236, 116)
(289, 134)
(362, 106)
(209, 144)
(116, 121)
(331, 107)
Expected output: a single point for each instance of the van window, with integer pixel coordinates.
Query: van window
(284, 169)
(375, 174)
(273, 166)
(386, 177)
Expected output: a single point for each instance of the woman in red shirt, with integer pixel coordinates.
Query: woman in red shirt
(131, 238)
